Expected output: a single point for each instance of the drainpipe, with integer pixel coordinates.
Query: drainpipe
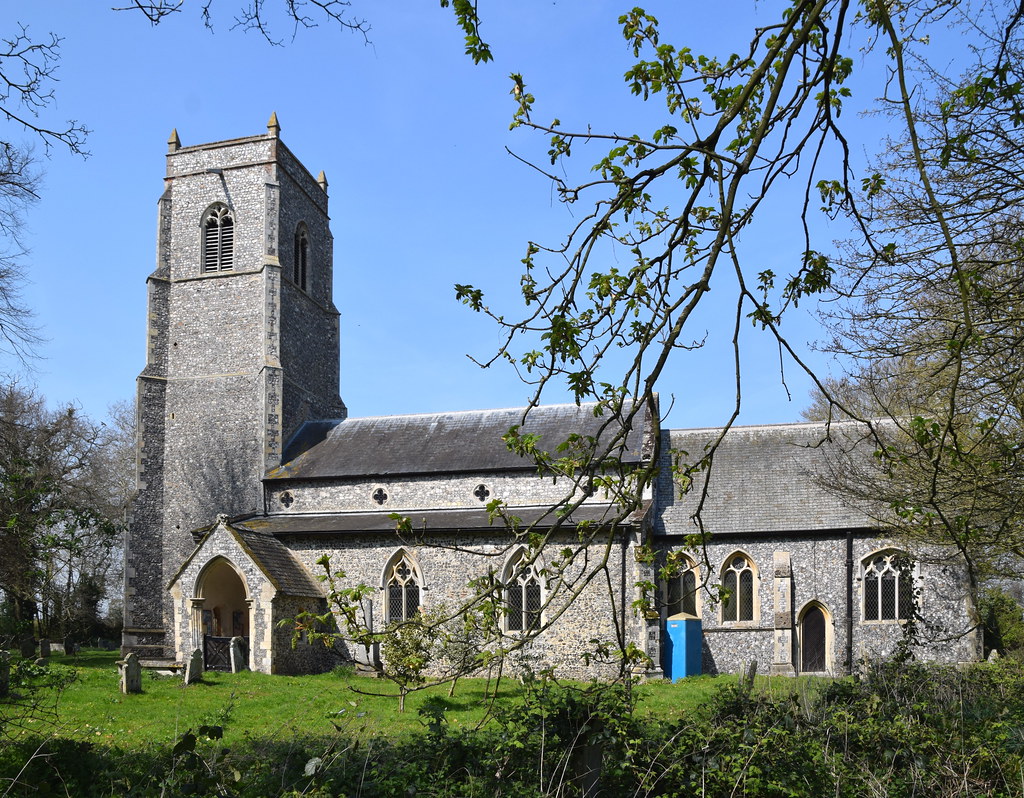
(626, 534)
(849, 600)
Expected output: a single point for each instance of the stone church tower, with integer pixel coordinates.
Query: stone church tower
(242, 349)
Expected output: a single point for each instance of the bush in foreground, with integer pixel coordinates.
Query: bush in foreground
(905, 729)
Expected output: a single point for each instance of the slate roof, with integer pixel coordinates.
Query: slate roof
(763, 480)
(445, 521)
(436, 443)
(276, 562)
(285, 572)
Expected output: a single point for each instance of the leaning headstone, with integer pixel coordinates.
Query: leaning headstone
(5, 674)
(131, 674)
(239, 657)
(44, 648)
(194, 667)
(28, 647)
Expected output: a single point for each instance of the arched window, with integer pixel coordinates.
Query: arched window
(218, 239)
(740, 585)
(402, 584)
(300, 265)
(679, 590)
(888, 587)
(522, 594)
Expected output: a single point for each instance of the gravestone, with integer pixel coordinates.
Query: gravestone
(44, 648)
(194, 667)
(28, 647)
(239, 656)
(131, 674)
(5, 674)
(70, 646)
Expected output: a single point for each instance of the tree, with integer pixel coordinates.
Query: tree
(662, 223)
(663, 212)
(258, 17)
(929, 318)
(83, 594)
(59, 518)
(267, 17)
(673, 202)
(27, 73)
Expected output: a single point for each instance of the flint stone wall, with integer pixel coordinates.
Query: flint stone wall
(819, 576)
(448, 563)
(408, 494)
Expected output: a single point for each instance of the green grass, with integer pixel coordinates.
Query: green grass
(899, 729)
(257, 705)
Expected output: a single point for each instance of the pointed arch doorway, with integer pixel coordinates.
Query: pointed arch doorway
(815, 625)
(220, 611)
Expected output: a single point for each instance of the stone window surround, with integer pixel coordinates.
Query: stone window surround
(221, 262)
(509, 576)
(687, 565)
(862, 577)
(755, 588)
(400, 556)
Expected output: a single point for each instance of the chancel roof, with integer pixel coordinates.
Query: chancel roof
(763, 479)
(437, 443)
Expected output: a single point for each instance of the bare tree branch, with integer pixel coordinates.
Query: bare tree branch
(262, 16)
(27, 73)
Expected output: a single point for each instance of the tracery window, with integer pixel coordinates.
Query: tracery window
(218, 239)
(300, 264)
(739, 583)
(402, 584)
(522, 595)
(888, 587)
(679, 591)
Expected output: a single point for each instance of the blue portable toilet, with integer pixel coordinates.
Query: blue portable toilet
(681, 646)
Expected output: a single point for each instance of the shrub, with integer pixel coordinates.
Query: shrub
(1003, 623)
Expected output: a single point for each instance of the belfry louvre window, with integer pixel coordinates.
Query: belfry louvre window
(738, 581)
(218, 239)
(402, 585)
(888, 587)
(300, 267)
(522, 595)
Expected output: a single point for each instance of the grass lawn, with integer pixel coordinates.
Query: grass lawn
(279, 707)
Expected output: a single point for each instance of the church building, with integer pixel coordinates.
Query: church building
(250, 472)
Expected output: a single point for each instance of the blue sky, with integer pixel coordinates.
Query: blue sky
(412, 137)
